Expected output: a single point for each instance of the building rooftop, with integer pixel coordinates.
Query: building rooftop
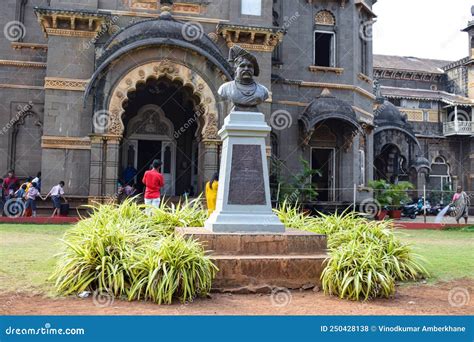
(410, 64)
(425, 94)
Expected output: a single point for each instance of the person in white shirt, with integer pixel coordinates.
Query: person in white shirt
(56, 193)
(37, 180)
(31, 196)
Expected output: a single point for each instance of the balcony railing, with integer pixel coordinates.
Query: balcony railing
(458, 128)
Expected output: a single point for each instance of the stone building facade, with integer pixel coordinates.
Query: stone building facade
(91, 86)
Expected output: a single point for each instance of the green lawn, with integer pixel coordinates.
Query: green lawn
(449, 254)
(27, 254)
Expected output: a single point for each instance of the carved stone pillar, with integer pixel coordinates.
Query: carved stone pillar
(103, 166)
(95, 188)
(208, 161)
(111, 165)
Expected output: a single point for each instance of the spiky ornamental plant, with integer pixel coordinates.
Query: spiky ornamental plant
(366, 258)
(125, 252)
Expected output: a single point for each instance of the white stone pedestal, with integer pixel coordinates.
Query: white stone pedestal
(243, 196)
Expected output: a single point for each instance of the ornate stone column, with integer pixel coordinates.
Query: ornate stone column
(103, 166)
(208, 161)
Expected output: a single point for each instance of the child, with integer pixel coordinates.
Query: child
(37, 180)
(10, 192)
(56, 193)
(28, 183)
(21, 192)
(31, 196)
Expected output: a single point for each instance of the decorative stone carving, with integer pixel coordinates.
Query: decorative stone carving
(325, 18)
(22, 64)
(69, 143)
(251, 37)
(213, 36)
(151, 121)
(210, 128)
(174, 71)
(65, 83)
(71, 23)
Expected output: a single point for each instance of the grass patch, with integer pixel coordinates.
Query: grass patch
(27, 256)
(449, 253)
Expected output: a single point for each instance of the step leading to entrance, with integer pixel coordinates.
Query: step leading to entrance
(291, 259)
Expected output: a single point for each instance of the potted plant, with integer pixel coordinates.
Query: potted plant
(301, 188)
(397, 195)
(379, 187)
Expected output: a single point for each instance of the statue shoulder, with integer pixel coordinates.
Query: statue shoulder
(263, 90)
(226, 88)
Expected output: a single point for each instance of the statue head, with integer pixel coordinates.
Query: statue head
(245, 64)
(244, 70)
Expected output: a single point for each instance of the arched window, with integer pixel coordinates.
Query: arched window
(440, 178)
(325, 39)
(25, 152)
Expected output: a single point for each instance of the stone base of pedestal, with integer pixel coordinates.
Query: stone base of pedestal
(292, 259)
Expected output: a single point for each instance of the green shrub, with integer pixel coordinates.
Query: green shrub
(129, 254)
(366, 258)
(356, 271)
(187, 214)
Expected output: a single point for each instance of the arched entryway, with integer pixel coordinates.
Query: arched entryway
(333, 142)
(161, 121)
(390, 164)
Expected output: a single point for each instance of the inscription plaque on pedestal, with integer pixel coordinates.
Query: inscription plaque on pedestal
(246, 177)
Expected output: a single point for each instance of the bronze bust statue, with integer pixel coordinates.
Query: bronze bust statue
(244, 92)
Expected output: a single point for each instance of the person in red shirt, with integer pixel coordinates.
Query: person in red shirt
(10, 181)
(153, 181)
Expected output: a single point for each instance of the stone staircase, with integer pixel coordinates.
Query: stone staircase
(255, 261)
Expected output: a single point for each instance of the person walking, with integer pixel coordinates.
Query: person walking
(56, 193)
(211, 193)
(461, 201)
(31, 196)
(153, 181)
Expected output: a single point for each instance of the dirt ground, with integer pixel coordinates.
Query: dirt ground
(448, 298)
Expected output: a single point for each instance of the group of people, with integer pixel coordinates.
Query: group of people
(153, 181)
(27, 193)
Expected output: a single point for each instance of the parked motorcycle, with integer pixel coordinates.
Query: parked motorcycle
(410, 210)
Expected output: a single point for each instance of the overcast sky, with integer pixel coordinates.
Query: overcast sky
(422, 28)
